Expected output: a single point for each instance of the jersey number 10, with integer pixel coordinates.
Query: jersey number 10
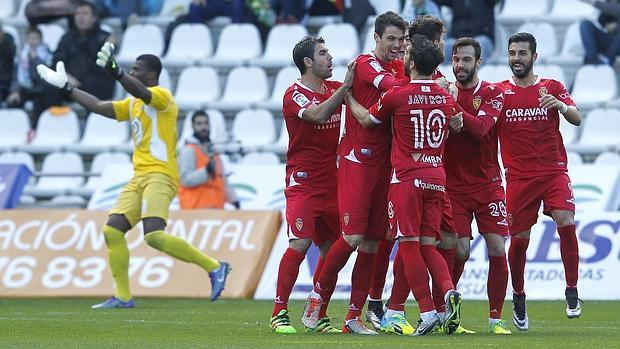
(431, 128)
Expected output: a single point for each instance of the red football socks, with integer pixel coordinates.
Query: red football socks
(497, 282)
(336, 258)
(517, 258)
(569, 250)
(382, 262)
(287, 275)
(417, 275)
(400, 287)
(459, 266)
(360, 282)
(437, 267)
(448, 256)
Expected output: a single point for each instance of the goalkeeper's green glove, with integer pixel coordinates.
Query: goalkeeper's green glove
(105, 59)
(56, 78)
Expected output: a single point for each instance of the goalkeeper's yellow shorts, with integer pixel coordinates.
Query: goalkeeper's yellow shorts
(146, 196)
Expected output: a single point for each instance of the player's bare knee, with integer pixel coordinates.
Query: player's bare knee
(449, 240)
(563, 218)
(427, 240)
(300, 245)
(369, 246)
(151, 224)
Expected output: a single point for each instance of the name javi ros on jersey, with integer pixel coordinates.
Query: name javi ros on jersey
(427, 99)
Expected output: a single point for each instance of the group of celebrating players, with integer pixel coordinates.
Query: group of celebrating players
(396, 152)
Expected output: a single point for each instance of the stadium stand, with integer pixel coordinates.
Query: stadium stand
(207, 65)
(100, 134)
(233, 36)
(260, 158)
(61, 172)
(607, 158)
(191, 44)
(15, 128)
(191, 92)
(96, 168)
(574, 158)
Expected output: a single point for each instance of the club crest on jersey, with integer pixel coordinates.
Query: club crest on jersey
(542, 91)
(390, 210)
(346, 218)
(299, 223)
(300, 99)
(477, 100)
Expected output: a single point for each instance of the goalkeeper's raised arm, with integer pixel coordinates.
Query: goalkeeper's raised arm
(144, 73)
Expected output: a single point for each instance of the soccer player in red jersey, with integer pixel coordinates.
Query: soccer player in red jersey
(311, 109)
(394, 321)
(536, 168)
(420, 113)
(473, 175)
(363, 179)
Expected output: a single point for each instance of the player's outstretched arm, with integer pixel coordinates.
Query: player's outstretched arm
(319, 113)
(359, 112)
(106, 60)
(571, 113)
(59, 80)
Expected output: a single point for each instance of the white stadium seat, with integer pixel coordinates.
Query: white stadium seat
(572, 51)
(15, 127)
(500, 49)
(608, 158)
(254, 129)
(342, 40)
(281, 145)
(551, 71)
(19, 19)
(217, 128)
(245, 87)
(97, 167)
(170, 10)
(279, 47)
(51, 33)
(522, 10)
(547, 42)
(196, 87)
(60, 173)
(190, 44)
(574, 159)
(100, 134)
(18, 158)
(369, 40)
(233, 37)
(493, 73)
(338, 73)
(568, 131)
(599, 131)
(7, 9)
(140, 39)
(594, 85)
(260, 158)
(55, 131)
(382, 6)
(285, 78)
(569, 11)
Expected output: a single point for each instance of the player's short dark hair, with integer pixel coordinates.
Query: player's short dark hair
(198, 113)
(34, 29)
(151, 62)
(387, 19)
(427, 25)
(305, 48)
(462, 42)
(425, 54)
(85, 3)
(524, 37)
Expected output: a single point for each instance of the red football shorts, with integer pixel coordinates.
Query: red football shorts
(447, 219)
(312, 213)
(415, 207)
(487, 206)
(362, 197)
(523, 197)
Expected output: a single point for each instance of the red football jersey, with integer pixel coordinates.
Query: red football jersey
(471, 162)
(311, 155)
(529, 135)
(420, 113)
(370, 146)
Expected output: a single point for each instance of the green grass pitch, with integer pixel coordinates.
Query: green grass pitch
(197, 323)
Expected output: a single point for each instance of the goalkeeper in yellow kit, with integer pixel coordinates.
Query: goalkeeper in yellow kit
(152, 112)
